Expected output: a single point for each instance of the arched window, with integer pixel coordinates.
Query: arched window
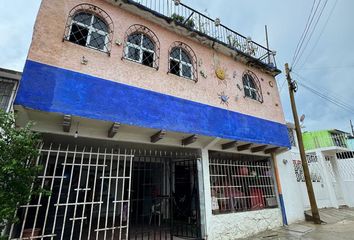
(251, 86)
(142, 46)
(182, 61)
(89, 26)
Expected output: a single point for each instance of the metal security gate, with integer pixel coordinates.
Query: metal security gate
(165, 197)
(89, 195)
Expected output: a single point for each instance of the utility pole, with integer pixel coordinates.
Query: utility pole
(351, 125)
(292, 88)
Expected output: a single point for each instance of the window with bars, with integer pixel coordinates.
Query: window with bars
(182, 61)
(6, 92)
(140, 49)
(241, 185)
(89, 26)
(292, 137)
(251, 86)
(142, 46)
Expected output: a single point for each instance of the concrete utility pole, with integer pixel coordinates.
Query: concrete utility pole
(292, 88)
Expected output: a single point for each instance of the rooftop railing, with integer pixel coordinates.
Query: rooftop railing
(193, 20)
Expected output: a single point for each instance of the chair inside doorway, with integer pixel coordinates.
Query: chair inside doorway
(164, 198)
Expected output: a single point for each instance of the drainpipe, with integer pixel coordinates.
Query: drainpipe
(280, 193)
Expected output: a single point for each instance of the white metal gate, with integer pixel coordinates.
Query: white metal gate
(90, 195)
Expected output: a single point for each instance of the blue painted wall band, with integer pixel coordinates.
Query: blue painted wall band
(54, 89)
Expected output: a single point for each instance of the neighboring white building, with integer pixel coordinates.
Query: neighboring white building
(332, 177)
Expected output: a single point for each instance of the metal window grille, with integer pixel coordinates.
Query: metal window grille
(292, 137)
(142, 46)
(90, 26)
(6, 93)
(90, 195)
(183, 61)
(238, 186)
(314, 167)
(252, 86)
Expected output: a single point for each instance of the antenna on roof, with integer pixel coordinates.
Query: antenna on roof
(351, 125)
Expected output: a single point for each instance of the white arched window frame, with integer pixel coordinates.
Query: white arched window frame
(142, 46)
(141, 49)
(183, 61)
(252, 86)
(89, 26)
(185, 67)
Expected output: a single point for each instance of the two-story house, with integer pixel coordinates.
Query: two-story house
(157, 122)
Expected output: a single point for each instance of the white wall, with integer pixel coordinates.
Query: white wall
(292, 192)
(243, 224)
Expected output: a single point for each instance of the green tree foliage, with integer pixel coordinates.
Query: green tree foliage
(18, 170)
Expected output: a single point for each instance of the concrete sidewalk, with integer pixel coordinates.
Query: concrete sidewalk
(339, 226)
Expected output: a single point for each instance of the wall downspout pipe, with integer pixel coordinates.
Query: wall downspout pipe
(280, 193)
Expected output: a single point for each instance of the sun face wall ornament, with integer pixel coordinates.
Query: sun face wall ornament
(219, 71)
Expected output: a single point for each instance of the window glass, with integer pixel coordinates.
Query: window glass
(187, 71)
(148, 58)
(250, 87)
(84, 18)
(89, 30)
(180, 63)
(140, 49)
(99, 24)
(185, 57)
(97, 40)
(79, 35)
(134, 39)
(148, 44)
(133, 53)
(6, 90)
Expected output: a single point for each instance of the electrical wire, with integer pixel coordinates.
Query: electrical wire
(334, 100)
(326, 91)
(321, 33)
(305, 32)
(311, 34)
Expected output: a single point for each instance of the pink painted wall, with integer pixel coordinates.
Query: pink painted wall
(47, 47)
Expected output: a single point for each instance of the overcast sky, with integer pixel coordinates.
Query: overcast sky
(329, 64)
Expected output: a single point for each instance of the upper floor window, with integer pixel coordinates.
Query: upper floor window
(142, 46)
(6, 92)
(251, 86)
(183, 61)
(90, 26)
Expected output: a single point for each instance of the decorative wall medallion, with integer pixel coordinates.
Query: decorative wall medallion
(203, 74)
(200, 62)
(219, 71)
(224, 99)
(234, 75)
(239, 87)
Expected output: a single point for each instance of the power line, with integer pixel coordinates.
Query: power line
(351, 110)
(311, 34)
(334, 100)
(324, 67)
(304, 33)
(322, 31)
(326, 91)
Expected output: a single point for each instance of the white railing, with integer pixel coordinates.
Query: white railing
(333, 140)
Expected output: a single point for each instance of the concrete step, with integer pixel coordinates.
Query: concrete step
(331, 215)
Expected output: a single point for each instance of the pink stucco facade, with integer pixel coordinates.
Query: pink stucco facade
(49, 48)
